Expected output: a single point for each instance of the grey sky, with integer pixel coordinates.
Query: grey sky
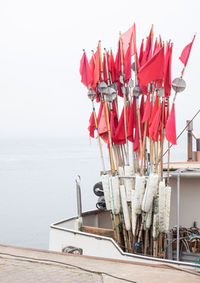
(41, 45)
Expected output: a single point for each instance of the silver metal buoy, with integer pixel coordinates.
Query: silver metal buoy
(136, 91)
(178, 84)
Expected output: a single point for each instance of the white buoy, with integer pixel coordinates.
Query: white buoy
(106, 190)
(133, 213)
(150, 192)
(121, 171)
(128, 182)
(115, 195)
(125, 208)
(148, 219)
(139, 192)
(167, 207)
(161, 203)
(155, 219)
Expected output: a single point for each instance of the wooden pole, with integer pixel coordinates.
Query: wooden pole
(146, 242)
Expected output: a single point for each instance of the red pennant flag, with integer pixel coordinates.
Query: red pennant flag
(112, 67)
(118, 63)
(131, 120)
(155, 109)
(166, 116)
(167, 72)
(147, 109)
(92, 125)
(113, 121)
(85, 72)
(96, 69)
(155, 47)
(104, 68)
(136, 145)
(100, 112)
(186, 52)
(148, 49)
(129, 37)
(153, 70)
(170, 129)
(141, 113)
(120, 137)
(160, 42)
(103, 129)
(141, 53)
(92, 65)
(127, 65)
(155, 126)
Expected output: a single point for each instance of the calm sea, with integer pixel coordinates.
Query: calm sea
(37, 185)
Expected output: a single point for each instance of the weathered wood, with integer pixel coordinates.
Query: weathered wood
(98, 231)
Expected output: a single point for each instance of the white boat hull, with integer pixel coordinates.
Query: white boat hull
(66, 234)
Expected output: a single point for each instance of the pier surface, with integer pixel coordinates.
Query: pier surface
(30, 265)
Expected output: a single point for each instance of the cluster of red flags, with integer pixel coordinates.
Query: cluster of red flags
(152, 67)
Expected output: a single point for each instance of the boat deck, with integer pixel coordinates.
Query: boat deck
(30, 265)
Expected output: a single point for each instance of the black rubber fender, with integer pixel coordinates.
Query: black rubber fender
(101, 205)
(98, 189)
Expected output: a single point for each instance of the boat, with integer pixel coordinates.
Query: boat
(91, 232)
(147, 210)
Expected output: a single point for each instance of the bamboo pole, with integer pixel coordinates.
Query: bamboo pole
(157, 145)
(162, 143)
(124, 96)
(143, 147)
(107, 116)
(139, 127)
(99, 141)
(116, 217)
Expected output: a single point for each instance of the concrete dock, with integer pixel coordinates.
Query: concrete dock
(29, 265)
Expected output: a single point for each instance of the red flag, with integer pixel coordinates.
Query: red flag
(141, 52)
(96, 69)
(92, 65)
(100, 112)
(85, 72)
(147, 109)
(104, 68)
(155, 109)
(156, 47)
(120, 137)
(129, 37)
(148, 49)
(127, 65)
(136, 145)
(153, 70)
(154, 128)
(170, 129)
(160, 42)
(186, 52)
(92, 125)
(113, 121)
(166, 115)
(131, 120)
(118, 63)
(141, 113)
(112, 67)
(167, 72)
(103, 129)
